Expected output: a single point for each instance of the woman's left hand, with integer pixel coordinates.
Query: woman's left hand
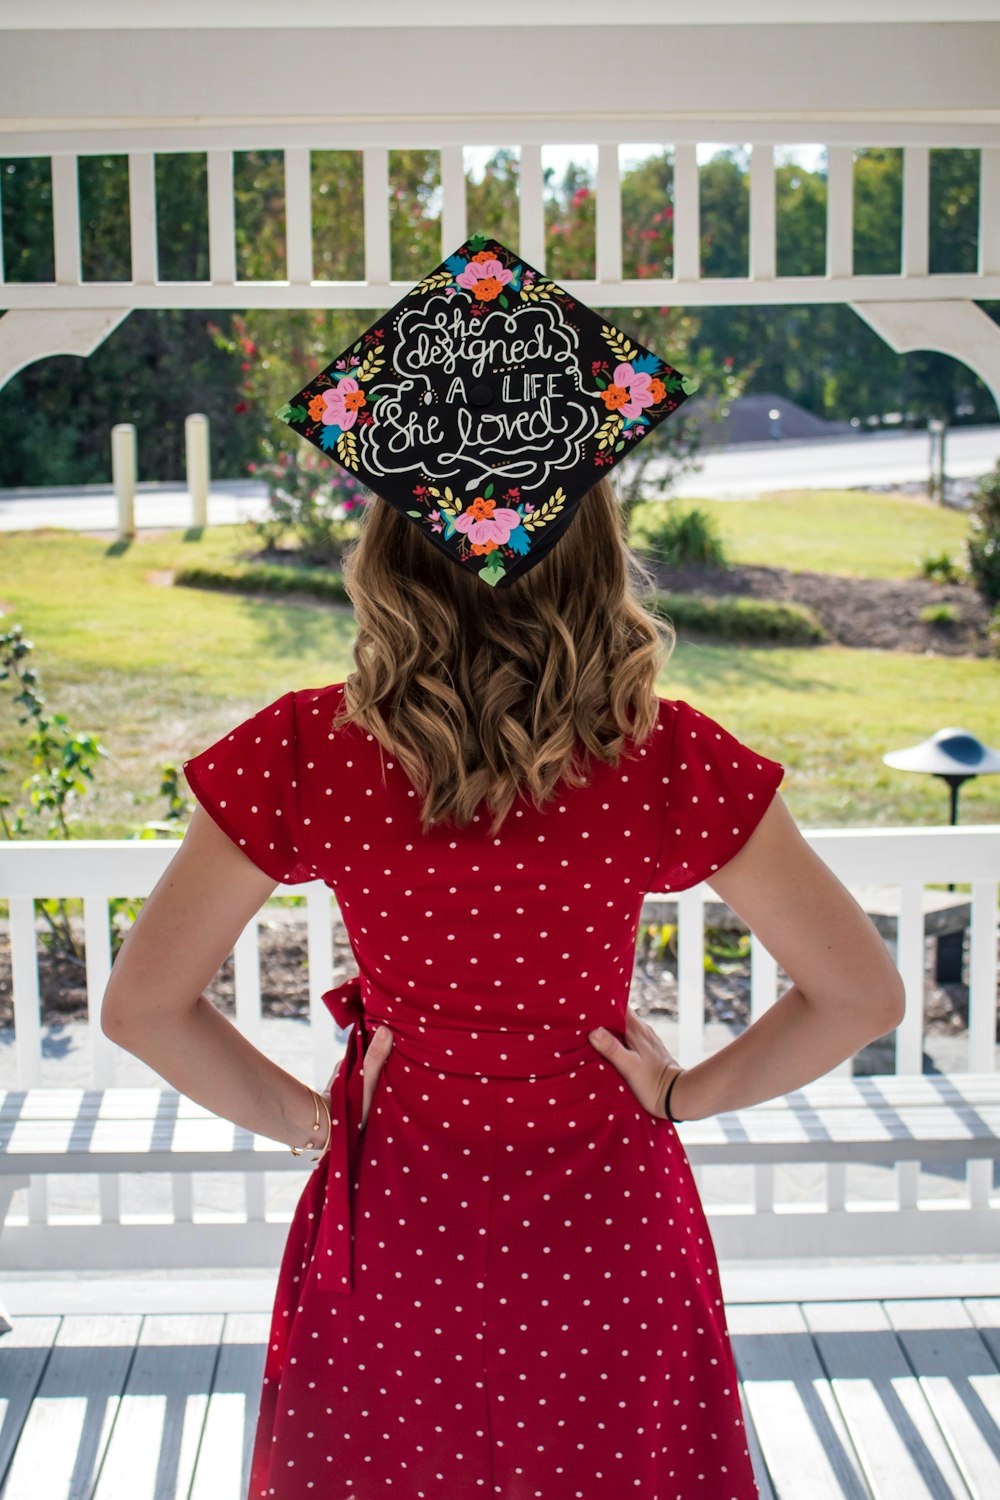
(376, 1053)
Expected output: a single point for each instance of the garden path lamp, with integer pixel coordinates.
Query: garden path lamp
(956, 756)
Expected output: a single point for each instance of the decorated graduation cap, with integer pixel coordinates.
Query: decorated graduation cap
(485, 405)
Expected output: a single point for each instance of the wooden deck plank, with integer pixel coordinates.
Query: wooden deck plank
(154, 1442)
(66, 1431)
(25, 1350)
(901, 1448)
(961, 1382)
(223, 1466)
(843, 1400)
(760, 1470)
(803, 1438)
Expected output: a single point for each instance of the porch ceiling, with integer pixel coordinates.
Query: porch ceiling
(856, 80)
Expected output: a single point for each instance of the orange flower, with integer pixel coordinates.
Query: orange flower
(615, 397)
(657, 390)
(480, 549)
(355, 400)
(487, 288)
(316, 407)
(484, 255)
(481, 509)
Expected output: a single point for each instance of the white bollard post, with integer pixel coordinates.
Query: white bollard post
(123, 474)
(196, 451)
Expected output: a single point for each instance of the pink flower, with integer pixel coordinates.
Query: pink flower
(484, 278)
(342, 403)
(493, 528)
(636, 384)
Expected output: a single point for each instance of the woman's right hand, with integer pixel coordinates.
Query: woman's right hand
(374, 1060)
(646, 1065)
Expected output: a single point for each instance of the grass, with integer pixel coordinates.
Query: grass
(857, 533)
(157, 673)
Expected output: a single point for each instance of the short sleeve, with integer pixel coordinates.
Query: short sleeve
(717, 789)
(247, 781)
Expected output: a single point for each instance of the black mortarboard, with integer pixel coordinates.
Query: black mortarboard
(485, 405)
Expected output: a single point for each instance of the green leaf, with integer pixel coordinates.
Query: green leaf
(418, 514)
(487, 492)
(619, 447)
(503, 300)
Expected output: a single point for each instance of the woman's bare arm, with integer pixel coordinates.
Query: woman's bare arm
(845, 989)
(154, 1007)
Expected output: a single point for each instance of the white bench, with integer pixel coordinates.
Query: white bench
(941, 1119)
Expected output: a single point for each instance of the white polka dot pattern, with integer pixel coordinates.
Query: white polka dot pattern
(248, 782)
(533, 1308)
(715, 792)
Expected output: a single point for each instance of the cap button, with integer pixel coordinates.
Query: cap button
(481, 394)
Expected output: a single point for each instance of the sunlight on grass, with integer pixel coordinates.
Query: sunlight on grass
(855, 532)
(157, 672)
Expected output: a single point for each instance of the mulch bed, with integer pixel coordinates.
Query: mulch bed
(870, 613)
(867, 613)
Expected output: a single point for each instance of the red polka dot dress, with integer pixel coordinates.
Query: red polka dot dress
(504, 1287)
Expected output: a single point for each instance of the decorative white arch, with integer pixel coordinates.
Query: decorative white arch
(960, 329)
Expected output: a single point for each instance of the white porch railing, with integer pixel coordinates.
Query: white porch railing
(687, 285)
(96, 871)
(912, 309)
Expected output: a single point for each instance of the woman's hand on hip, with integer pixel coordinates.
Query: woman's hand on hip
(646, 1065)
(376, 1052)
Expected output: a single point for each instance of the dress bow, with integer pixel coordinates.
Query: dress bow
(333, 1250)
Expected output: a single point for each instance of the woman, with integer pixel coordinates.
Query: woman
(506, 1285)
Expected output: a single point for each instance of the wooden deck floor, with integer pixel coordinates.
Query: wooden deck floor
(866, 1397)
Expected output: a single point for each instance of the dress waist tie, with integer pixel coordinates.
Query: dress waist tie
(485, 1052)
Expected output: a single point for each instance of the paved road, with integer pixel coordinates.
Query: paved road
(737, 473)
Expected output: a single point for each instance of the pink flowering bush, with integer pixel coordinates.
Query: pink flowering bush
(314, 506)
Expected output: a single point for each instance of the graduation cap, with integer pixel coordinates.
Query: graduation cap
(485, 405)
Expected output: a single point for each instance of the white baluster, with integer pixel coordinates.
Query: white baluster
(989, 211)
(66, 218)
(378, 258)
(531, 206)
(221, 221)
(454, 222)
(609, 215)
(142, 217)
(840, 212)
(687, 213)
(916, 210)
(763, 249)
(298, 215)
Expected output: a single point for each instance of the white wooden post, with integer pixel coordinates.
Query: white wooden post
(123, 471)
(196, 458)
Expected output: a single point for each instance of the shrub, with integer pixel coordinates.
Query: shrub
(266, 578)
(310, 499)
(984, 536)
(735, 618)
(676, 536)
(940, 614)
(940, 568)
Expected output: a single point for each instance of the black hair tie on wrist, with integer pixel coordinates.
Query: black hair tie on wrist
(666, 1101)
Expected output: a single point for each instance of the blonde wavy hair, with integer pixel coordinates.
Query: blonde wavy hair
(482, 692)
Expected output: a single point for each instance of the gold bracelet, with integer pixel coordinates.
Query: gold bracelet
(310, 1143)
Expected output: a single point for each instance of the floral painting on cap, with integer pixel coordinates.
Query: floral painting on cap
(484, 405)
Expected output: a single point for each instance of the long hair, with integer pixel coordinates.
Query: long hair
(482, 693)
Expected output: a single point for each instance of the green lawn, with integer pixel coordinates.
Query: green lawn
(837, 531)
(157, 673)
